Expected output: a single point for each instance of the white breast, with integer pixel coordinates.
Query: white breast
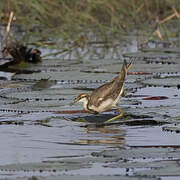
(105, 105)
(85, 102)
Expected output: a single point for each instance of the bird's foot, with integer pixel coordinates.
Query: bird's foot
(116, 117)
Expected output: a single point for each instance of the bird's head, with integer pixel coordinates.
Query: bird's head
(83, 97)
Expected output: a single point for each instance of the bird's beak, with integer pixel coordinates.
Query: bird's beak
(75, 101)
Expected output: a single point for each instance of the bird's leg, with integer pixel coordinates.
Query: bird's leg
(117, 117)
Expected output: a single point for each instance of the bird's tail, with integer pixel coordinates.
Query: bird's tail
(123, 73)
(125, 69)
(126, 66)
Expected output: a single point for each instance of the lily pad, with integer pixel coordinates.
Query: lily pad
(166, 82)
(169, 171)
(140, 153)
(164, 50)
(172, 128)
(152, 55)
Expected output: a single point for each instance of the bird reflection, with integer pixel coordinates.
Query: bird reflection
(107, 135)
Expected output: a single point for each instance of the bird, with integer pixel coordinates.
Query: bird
(106, 96)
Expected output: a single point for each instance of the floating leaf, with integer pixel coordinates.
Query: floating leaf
(155, 98)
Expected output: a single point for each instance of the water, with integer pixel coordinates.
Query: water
(47, 137)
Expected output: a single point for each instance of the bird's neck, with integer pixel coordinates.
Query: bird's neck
(85, 102)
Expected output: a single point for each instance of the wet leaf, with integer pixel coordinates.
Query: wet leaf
(155, 98)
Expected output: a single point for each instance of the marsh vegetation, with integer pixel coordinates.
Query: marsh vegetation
(83, 22)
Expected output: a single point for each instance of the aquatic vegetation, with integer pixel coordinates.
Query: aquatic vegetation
(79, 21)
(42, 135)
(21, 53)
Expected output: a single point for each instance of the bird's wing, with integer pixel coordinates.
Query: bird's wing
(100, 94)
(109, 90)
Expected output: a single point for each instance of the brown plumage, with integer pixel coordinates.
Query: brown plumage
(106, 96)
